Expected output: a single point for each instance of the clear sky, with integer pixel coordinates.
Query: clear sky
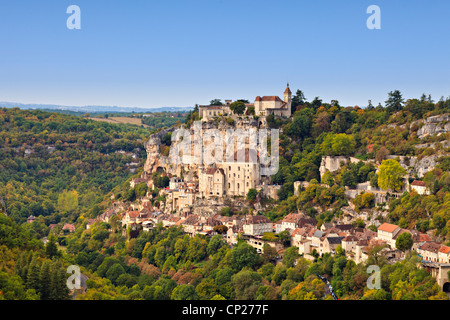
(178, 53)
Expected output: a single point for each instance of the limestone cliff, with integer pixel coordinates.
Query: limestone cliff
(156, 161)
(433, 125)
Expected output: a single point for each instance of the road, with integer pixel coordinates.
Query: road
(328, 287)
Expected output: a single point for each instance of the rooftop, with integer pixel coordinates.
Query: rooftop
(418, 183)
(387, 227)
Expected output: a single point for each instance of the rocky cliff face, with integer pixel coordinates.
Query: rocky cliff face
(433, 125)
(157, 162)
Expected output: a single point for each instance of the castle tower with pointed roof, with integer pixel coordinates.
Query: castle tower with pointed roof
(268, 105)
(287, 97)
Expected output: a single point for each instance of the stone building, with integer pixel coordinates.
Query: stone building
(230, 178)
(273, 105)
(388, 232)
(420, 187)
(264, 106)
(211, 182)
(257, 225)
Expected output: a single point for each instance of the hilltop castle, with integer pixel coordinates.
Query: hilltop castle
(264, 106)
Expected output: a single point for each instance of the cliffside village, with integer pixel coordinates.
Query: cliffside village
(212, 184)
(303, 230)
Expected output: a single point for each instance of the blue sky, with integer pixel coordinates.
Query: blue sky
(179, 53)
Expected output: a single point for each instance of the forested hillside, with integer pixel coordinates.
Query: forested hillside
(320, 129)
(64, 169)
(56, 166)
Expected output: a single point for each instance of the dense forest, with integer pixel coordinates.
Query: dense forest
(64, 168)
(56, 166)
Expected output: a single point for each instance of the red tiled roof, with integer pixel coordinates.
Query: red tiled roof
(444, 249)
(431, 247)
(133, 214)
(418, 183)
(68, 226)
(258, 220)
(213, 170)
(387, 227)
(350, 238)
(270, 98)
(424, 237)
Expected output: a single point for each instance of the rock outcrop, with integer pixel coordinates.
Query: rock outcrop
(415, 166)
(155, 160)
(433, 125)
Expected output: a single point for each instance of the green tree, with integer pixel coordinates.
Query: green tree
(12, 288)
(343, 145)
(251, 194)
(184, 292)
(243, 255)
(390, 176)
(33, 275)
(394, 102)
(59, 290)
(328, 178)
(68, 201)
(300, 126)
(246, 283)
(238, 107)
(206, 289)
(45, 281)
(284, 237)
(290, 256)
(269, 253)
(223, 282)
(115, 272)
(279, 273)
(197, 249)
(404, 241)
(216, 102)
(215, 244)
(141, 189)
(51, 249)
(297, 100)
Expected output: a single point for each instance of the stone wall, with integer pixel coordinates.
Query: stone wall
(270, 191)
(331, 164)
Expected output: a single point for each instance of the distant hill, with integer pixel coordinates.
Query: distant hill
(90, 109)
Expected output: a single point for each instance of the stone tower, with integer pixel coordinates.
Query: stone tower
(288, 99)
